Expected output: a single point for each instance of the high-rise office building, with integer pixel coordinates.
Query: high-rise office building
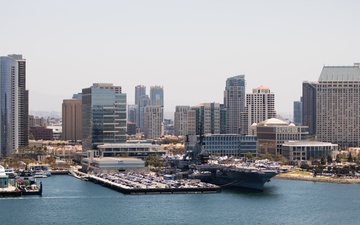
(338, 105)
(298, 112)
(180, 120)
(103, 115)
(140, 92)
(132, 113)
(157, 95)
(260, 106)
(309, 106)
(204, 119)
(14, 103)
(153, 119)
(72, 119)
(234, 101)
(144, 101)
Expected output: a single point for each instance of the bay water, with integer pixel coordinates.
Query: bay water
(67, 200)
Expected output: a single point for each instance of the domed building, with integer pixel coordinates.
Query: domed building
(272, 133)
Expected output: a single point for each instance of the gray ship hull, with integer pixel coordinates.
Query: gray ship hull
(233, 177)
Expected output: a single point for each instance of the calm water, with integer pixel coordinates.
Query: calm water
(67, 200)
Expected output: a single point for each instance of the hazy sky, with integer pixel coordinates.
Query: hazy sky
(189, 47)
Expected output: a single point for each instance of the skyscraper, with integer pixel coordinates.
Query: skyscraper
(144, 101)
(14, 103)
(234, 101)
(180, 120)
(153, 118)
(72, 119)
(298, 112)
(140, 92)
(338, 105)
(204, 119)
(103, 115)
(309, 106)
(157, 95)
(260, 106)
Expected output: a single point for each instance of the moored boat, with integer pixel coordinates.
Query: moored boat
(27, 184)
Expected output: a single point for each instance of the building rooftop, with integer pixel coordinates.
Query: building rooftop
(340, 73)
(308, 143)
(273, 122)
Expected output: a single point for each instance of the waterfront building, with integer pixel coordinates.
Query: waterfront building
(14, 103)
(338, 105)
(225, 144)
(180, 120)
(103, 115)
(305, 150)
(309, 106)
(153, 121)
(204, 119)
(272, 133)
(72, 119)
(298, 112)
(138, 150)
(97, 164)
(234, 101)
(260, 105)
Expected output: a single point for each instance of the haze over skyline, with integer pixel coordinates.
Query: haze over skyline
(188, 47)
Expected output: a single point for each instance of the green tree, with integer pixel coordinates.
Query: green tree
(338, 158)
(249, 155)
(323, 160)
(329, 159)
(350, 159)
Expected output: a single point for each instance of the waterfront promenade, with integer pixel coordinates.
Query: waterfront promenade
(307, 176)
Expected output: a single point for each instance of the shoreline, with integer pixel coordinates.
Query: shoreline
(286, 176)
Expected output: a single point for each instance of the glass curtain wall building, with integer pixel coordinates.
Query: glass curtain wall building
(104, 115)
(14, 102)
(234, 101)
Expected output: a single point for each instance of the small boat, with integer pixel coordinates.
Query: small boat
(27, 184)
(40, 174)
(48, 174)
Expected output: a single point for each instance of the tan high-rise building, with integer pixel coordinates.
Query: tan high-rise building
(338, 105)
(153, 121)
(204, 119)
(72, 119)
(180, 120)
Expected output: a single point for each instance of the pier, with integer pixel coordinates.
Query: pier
(134, 183)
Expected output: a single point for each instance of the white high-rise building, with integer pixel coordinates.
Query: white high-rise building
(260, 106)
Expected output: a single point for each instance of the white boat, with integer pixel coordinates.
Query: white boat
(10, 173)
(39, 174)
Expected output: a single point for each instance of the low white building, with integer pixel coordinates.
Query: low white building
(304, 150)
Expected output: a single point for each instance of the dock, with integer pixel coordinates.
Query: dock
(10, 191)
(134, 183)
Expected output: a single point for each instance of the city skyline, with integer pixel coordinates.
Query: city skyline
(154, 43)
